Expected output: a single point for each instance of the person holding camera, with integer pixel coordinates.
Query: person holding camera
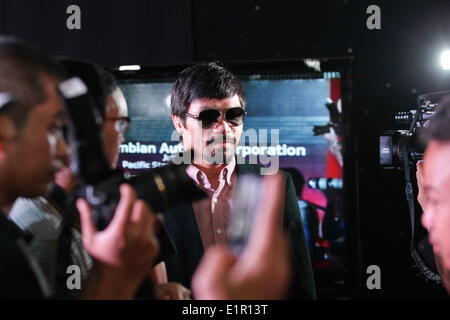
(433, 177)
(32, 150)
(36, 215)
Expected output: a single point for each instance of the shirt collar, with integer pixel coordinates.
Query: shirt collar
(200, 177)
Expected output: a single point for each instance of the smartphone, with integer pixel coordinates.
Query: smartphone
(245, 202)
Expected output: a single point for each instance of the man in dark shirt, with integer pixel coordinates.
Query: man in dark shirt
(208, 110)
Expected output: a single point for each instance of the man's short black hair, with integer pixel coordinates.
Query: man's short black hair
(22, 70)
(439, 127)
(204, 81)
(101, 83)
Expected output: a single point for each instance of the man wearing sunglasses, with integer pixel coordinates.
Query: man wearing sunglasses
(208, 111)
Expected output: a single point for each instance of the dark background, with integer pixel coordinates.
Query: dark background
(391, 67)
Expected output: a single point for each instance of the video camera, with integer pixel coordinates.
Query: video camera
(396, 146)
(401, 149)
(162, 188)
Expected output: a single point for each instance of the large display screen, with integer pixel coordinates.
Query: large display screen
(294, 120)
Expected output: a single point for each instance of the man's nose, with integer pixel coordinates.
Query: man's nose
(223, 126)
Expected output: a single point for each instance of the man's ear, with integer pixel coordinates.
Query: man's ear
(178, 124)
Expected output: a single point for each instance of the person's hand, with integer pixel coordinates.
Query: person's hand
(125, 250)
(263, 270)
(172, 291)
(420, 184)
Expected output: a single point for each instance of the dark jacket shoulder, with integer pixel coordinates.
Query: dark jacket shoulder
(17, 280)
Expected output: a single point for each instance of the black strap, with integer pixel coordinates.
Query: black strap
(420, 263)
(409, 193)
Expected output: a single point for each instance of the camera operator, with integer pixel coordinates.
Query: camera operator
(32, 150)
(433, 176)
(60, 202)
(50, 219)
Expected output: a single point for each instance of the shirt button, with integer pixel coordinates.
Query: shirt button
(219, 231)
(215, 200)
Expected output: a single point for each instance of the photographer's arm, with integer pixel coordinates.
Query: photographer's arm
(101, 285)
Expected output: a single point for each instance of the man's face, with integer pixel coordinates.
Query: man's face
(113, 127)
(436, 217)
(216, 143)
(33, 154)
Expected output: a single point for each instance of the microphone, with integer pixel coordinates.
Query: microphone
(326, 183)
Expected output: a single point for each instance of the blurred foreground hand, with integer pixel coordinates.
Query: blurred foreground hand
(123, 252)
(263, 270)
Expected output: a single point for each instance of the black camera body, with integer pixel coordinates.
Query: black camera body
(393, 143)
(397, 146)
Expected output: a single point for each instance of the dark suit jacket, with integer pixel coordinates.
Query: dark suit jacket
(17, 278)
(182, 227)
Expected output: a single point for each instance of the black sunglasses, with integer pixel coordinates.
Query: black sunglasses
(234, 116)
